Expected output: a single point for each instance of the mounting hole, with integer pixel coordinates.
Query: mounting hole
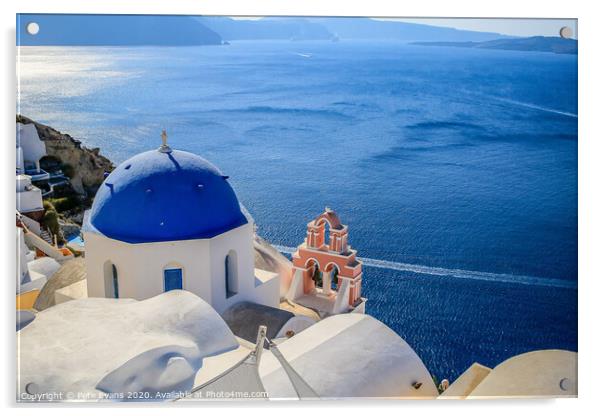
(566, 32)
(566, 384)
(33, 28)
(31, 388)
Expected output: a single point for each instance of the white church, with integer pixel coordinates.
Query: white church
(168, 219)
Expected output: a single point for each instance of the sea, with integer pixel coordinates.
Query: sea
(455, 168)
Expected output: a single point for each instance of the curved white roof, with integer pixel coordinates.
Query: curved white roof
(128, 344)
(544, 373)
(348, 355)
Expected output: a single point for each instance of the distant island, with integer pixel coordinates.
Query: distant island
(288, 28)
(114, 30)
(374, 29)
(172, 30)
(531, 44)
(149, 30)
(336, 28)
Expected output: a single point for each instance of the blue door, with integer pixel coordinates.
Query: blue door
(172, 279)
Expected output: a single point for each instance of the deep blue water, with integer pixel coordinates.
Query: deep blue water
(448, 158)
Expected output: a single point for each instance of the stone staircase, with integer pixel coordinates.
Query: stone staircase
(46, 236)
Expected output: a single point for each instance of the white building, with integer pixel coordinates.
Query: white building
(32, 272)
(29, 197)
(167, 219)
(30, 149)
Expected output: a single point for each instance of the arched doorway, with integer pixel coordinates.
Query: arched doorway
(313, 269)
(326, 235)
(331, 277)
(111, 280)
(231, 273)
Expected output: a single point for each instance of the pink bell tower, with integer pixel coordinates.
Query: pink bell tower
(327, 275)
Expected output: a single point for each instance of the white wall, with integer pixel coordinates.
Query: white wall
(295, 324)
(29, 201)
(29, 197)
(240, 240)
(22, 251)
(22, 181)
(19, 162)
(140, 267)
(267, 289)
(29, 141)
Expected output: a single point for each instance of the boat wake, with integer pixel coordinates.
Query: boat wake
(457, 273)
(535, 107)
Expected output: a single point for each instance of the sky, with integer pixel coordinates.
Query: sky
(512, 27)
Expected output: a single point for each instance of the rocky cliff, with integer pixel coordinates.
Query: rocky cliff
(88, 165)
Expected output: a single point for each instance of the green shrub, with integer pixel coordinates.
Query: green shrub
(64, 204)
(48, 205)
(51, 221)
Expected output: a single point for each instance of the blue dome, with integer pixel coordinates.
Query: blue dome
(156, 196)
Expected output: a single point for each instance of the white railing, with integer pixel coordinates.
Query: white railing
(31, 224)
(38, 242)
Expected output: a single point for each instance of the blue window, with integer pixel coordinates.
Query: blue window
(172, 279)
